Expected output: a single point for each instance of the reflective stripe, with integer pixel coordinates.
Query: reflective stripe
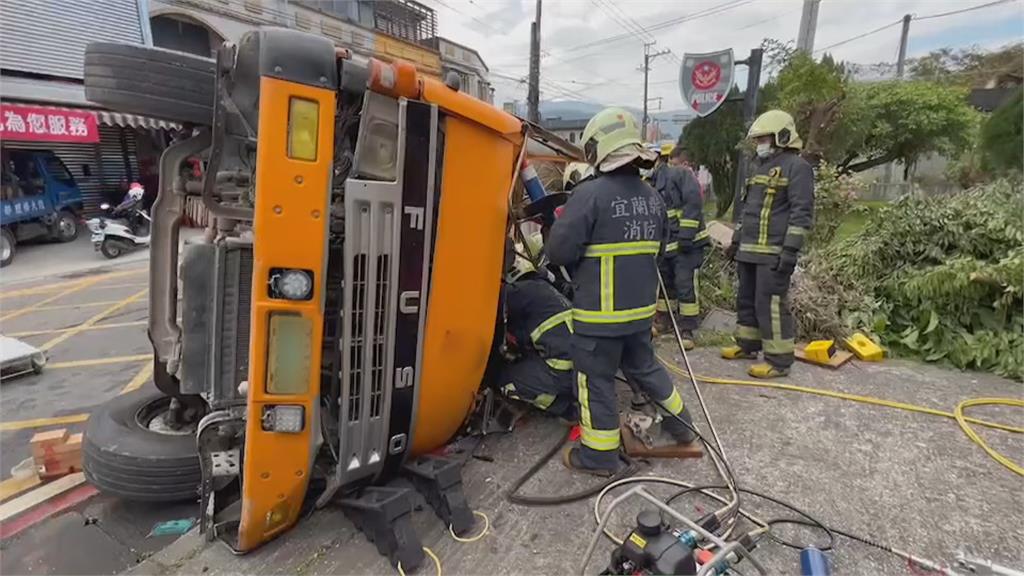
(559, 364)
(776, 317)
(759, 249)
(778, 346)
(602, 440)
(661, 306)
(689, 309)
(701, 236)
(674, 402)
(672, 247)
(797, 231)
(766, 180)
(613, 317)
(747, 333)
(766, 213)
(674, 213)
(543, 401)
(560, 318)
(583, 395)
(687, 223)
(623, 248)
(607, 283)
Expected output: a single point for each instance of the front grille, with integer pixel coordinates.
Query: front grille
(382, 290)
(356, 341)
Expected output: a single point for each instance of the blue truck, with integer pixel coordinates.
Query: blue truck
(38, 199)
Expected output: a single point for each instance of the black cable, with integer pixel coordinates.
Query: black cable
(514, 497)
(810, 522)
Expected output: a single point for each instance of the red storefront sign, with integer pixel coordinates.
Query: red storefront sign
(42, 124)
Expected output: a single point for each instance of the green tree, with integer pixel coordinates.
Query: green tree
(1002, 137)
(969, 67)
(712, 142)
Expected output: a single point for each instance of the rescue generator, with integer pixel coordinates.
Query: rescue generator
(335, 319)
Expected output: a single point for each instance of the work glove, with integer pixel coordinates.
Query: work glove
(731, 250)
(786, 263)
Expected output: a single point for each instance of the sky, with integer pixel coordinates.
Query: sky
(593, 49)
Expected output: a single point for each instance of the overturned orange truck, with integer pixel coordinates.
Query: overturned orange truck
(336, 320)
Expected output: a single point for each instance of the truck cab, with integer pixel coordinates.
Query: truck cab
(38, 199)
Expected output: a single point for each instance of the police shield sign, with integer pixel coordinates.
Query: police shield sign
(705, 80)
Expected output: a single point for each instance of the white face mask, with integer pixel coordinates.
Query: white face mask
(764, 150)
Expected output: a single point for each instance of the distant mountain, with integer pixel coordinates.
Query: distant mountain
(669, 122)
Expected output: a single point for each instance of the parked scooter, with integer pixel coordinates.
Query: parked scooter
(124, 228)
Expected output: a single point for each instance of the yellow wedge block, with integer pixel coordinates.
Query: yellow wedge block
(820, 351)
(864, 348)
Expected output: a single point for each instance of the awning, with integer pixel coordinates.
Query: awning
(134, 121)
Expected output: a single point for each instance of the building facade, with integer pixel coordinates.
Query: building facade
(571, 130)
(43, 100)
(384, 29)
(467, 64)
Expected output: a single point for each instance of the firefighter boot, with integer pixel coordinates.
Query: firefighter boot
(662, 323)
(571, 459)
(766, 370)
(735, 352)
(688, 341)
(679, 427)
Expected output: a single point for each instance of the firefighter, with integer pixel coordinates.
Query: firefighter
(610, 235)
(575, 173)
(773, 217)
(661, 181)
(539, 324)
(690, 239)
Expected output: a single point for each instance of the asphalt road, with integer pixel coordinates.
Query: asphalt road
(91, 323)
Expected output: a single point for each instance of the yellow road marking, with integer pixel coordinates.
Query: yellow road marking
(64, 336)
(53, 287)
(97, 361)
(71, 306)
(141, 377)
(62, 330)
(40, 422)
(74, 288)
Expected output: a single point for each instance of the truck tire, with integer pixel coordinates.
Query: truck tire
(65, 229)
(8, 246)
(124, 456)
(150, 81)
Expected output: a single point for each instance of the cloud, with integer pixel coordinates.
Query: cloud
(608, 71)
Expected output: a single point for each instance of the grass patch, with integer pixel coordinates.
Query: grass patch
(855, 221)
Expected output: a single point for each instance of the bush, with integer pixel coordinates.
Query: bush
(834, 195)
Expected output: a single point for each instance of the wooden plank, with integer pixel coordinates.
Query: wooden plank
(636, 448)
(40, 495)
(838, 359)
(58, 458)
(49, 437)
(14, 486)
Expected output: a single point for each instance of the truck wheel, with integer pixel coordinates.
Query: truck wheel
(7, 247)
(65, 229)
(112, 248)
(150, 81)
(128, 450)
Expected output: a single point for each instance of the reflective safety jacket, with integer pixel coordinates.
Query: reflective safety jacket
(609, 236)
(539, 316)
(685, 209)
(775, 209)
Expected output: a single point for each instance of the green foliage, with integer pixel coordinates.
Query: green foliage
(834, 194)
(1002, 137)
(711, 141)
(938, 278)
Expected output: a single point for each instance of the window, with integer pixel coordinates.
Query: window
(57, 170)
(572, 137)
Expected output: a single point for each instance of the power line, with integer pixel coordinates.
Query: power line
(859, 36)
(962, 10)
(623, 20)
(772, 19)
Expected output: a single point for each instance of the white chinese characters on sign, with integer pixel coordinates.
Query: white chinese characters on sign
(37, 123)
(13, 122)
(78, 126)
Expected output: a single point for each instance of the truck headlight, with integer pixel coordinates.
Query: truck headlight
(291, 284)
(288, 419)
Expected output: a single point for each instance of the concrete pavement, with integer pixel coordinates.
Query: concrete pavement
(910, 480)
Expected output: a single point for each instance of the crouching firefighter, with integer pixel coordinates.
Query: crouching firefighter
(539, 323)
(773, 217)
(610, 234)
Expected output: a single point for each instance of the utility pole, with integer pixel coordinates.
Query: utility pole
(648, 57)
(808, 26)
(904, 35)
(750, 97)
(533, 93)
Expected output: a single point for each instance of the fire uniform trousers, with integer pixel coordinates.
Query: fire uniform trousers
(775, 209)
(686, 212)
(610, 233)
(540, 319)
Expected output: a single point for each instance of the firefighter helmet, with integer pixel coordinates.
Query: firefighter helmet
(780, 126)
(575, 173)
(612, 140)
(667, 148)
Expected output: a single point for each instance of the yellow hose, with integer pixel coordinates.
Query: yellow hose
(957, 415)
(963, 422)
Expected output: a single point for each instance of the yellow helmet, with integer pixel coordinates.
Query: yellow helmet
(576, 172)
(612, 139)
(520, 266)
(667, 148)
(778, 124)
